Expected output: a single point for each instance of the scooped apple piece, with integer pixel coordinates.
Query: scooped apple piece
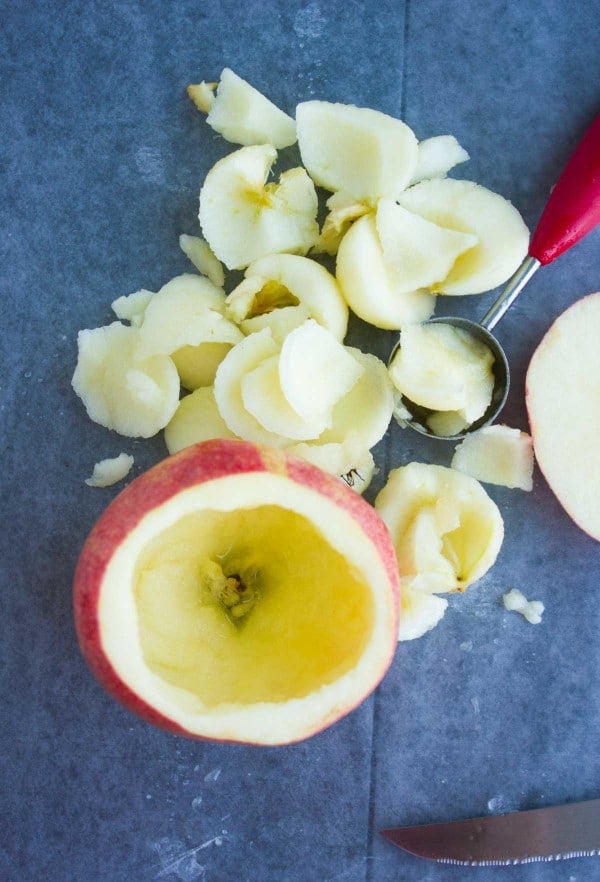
(315, 372)
(281, 281)
(497, 455)
(205, 261)
(131, 307)
(120, 386)
(237, 364)
(348, 459)
(203, 95)
(422, 253)
(356, 150)
(197, 365)
(419, 613)
(343, 211)
(244, 218)
(437, 156)
(563, 404)
(264, 399)
(502, 237)
(374, 289)
(196, 419)
(186, 311)
(443, 368)
(366, 409)
(242, 114)
(109, 471)
(446, 529)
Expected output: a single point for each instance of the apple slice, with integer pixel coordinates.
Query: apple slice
(467, 207)
(343, 211)
(437, 156)
(205, 261)
(236, 594)
(563, 404)
(354, 149)
(419, 613)
(280, 281)
(196, 419)
(131, 307)
(264, 399)
(240, 361)
(366, 409)
(121, 387)
(244, 218)
(497, 455)
(197, 365)
(421, 253)
(315, 371)
(281, 321)
(243, 115)
(446, 529)
(374, 290)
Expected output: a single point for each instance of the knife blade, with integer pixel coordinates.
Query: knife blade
(545, 834)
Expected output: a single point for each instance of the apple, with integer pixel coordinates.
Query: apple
(238, 594)
(436, 156)
(356, 150)
(203, 258)
(563, 404)
(497, 455)
(241, 113)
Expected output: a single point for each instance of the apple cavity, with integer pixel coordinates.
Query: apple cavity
(238, 594)
(563, 404)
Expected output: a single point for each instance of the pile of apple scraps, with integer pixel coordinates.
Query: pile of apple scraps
(267, 362)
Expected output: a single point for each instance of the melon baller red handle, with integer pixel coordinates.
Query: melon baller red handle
(572, 210)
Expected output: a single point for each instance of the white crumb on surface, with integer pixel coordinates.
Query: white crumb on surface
(109, 471)
(515, 601)
(212, 776)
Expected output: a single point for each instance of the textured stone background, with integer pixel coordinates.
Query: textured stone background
(101, 158)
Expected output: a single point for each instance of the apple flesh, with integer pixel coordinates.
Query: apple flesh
(238, 594)
(563, 404)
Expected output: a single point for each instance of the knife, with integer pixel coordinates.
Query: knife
(545, 834)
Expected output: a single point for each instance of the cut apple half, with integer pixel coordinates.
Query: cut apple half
(243, 115)
(374, 289)
(282, 281)
(562, 393)
(244, 218)
(502, 237)
(236, 594)
(356, 150)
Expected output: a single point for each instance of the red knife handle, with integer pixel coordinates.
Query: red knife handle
(573, 208)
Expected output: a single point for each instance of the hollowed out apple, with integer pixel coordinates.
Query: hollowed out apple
(236, 593)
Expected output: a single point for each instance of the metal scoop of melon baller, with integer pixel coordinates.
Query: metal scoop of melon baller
(572, 210)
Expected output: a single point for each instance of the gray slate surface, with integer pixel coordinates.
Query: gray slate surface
(101, 159)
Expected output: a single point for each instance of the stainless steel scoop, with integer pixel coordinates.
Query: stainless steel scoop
(572, 210)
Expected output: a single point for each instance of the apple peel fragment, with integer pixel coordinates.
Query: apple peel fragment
(152, 610)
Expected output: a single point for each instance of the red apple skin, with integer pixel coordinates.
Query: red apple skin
(194, 465)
